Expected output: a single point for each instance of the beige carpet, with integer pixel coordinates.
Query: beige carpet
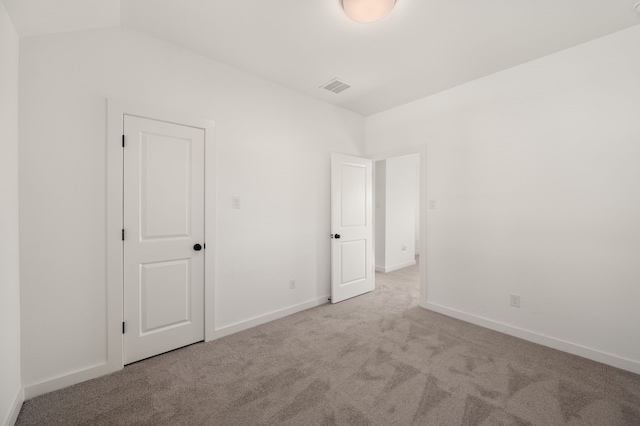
(377, 359)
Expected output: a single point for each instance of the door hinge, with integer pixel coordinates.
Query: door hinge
(122, 327)
(123, 141)
(123, 235)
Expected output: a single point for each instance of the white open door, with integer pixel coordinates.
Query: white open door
(163, 237)
(352, 268)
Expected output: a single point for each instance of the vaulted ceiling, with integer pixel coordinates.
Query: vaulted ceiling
(421, 48)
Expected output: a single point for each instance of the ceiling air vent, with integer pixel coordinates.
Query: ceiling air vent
(335, 86)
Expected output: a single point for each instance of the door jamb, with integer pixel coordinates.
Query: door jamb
(422, 150)
(116, 110)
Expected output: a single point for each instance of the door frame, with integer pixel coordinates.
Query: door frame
(422, 151)
(116, 110)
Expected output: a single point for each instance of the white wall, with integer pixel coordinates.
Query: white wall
(535, 173)
(381, 209)
(273, 150)
(416, 218)
(10, 383)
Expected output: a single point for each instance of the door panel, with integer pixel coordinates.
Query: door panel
(164, 295)
(165, 187)
(163, 220)
(352, 268)
(353, 181)
(354, 261)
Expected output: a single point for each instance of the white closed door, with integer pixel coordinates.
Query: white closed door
(352, 268)
(163, 237)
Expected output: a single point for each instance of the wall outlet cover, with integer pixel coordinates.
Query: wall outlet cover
(514, 300)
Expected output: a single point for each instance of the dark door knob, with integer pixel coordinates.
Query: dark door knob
(197, 247)
(337, 237)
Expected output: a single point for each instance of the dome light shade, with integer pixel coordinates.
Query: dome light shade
(366, 11)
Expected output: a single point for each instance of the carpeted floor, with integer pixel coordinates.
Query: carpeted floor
(377, 359)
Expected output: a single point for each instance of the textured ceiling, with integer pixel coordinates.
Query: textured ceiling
(421, 48)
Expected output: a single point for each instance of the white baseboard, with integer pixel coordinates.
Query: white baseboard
(92, 372)
(15, 408)
(386, 269)
(263, 319)
(68, 379)
(551, 342)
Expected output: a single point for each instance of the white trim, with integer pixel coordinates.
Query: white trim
(89, 373)
(271, 316)
(422, 150)
(541, 339)
(12, 416)
(66, 379)
(386, 269)
(116, 110)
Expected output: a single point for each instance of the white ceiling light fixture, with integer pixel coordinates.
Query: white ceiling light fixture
(366, 11)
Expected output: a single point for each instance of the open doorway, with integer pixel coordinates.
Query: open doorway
(397, 207)
(397, 187)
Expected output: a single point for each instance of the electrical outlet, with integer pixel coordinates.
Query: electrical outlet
(292, 284)
(235, 202)
(404, 249)
(514, 300)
